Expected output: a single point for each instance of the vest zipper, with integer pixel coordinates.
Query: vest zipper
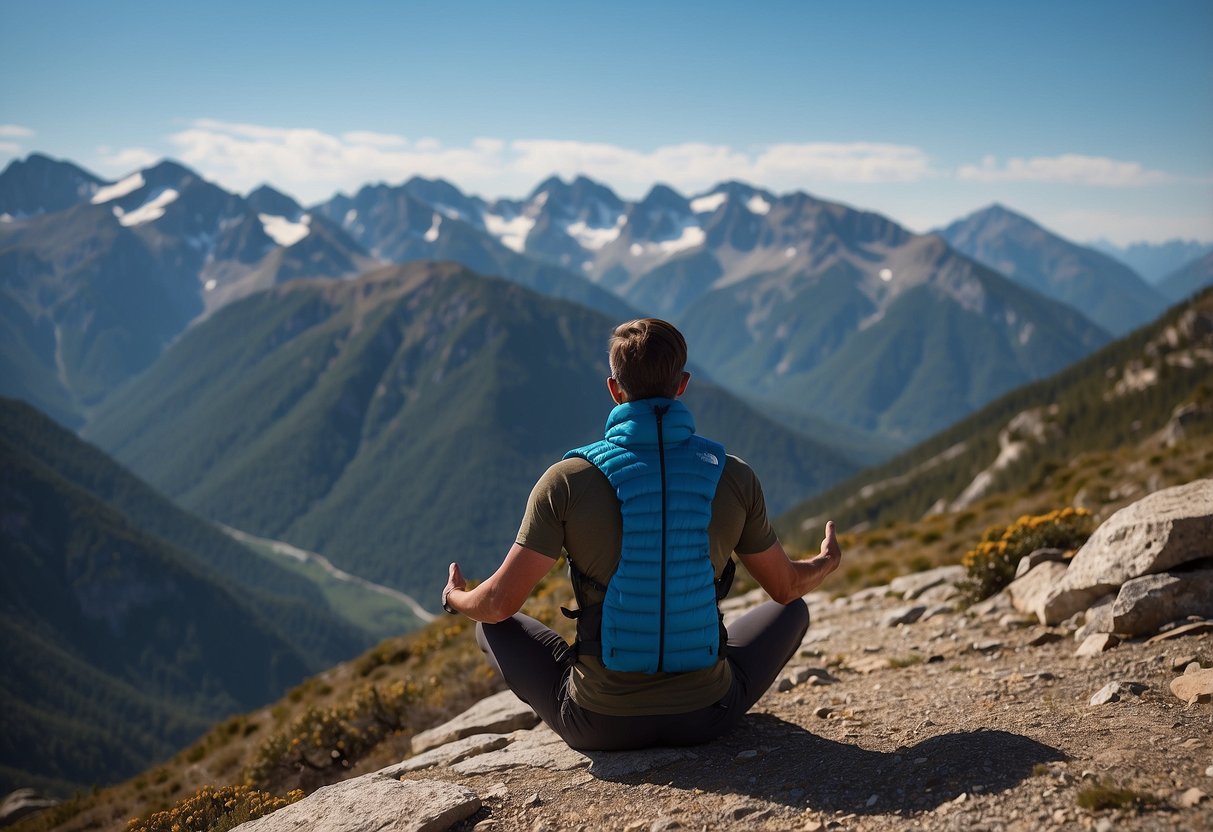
(660, 412)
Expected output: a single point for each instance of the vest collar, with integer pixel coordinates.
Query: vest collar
(634, 424)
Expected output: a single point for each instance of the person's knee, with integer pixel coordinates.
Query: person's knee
(798, 610)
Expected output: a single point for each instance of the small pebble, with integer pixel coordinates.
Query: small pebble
(748, 754)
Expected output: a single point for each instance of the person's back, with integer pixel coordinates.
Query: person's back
(649, 518)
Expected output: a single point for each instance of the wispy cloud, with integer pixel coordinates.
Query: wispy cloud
(312, 163)
(15, 131)
(127, 159)
(9, 149)
(1068, 169)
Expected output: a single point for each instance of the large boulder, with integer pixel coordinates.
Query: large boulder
(1157, 533)
(373, 803)
(498, 714)
(1029, 591)
(1144, 604)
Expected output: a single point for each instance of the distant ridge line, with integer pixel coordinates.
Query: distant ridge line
(286, 550)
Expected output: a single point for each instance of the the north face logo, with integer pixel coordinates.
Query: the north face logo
(708, 458)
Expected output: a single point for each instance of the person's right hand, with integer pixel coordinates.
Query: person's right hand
(831, 552)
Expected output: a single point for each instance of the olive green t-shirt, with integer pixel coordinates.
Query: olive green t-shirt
(573, 507)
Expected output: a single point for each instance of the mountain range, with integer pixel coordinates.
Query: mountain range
(1107, 291)
(779, 293)
(1154, 261)
(409, 410)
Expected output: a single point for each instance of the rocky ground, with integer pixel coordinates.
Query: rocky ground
(973, 720)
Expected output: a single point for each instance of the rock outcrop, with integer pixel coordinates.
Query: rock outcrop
(373, 801)
(1157, 533)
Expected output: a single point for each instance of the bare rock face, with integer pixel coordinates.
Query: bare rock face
(1145, 604)
(373, 803)
(1029, 592)
(1157, 533)
(915, 584)
(499, 714)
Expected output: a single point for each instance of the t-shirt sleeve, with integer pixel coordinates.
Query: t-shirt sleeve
(542, 526)
(757, 534)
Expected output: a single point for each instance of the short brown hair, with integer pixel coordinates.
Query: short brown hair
(647, 356)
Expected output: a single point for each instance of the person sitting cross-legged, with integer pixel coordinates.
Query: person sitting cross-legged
(649, 518)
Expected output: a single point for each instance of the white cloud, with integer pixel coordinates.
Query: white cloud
(1068, 169)
(15, 131)
(9, 148)
(314, 164)
(125, 160)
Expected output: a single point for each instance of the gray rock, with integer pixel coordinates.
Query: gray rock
(1045, 637)
(613, 765)
(1114, 691)
(537, 748)
(816, 635)
(498, 714)
(903, 615)
(373, 803)
(1193, 685)
(1029, 593)
(445, 755)
(1144, 604)
(1096, 643)
(799, 675)
(1098, 618)
(995, 605)
(937, 609)
(1193, 628)
(1038, 556)
(915, 584)
(1154, 534)
(939, 594)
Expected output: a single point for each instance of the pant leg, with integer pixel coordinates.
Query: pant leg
(531, 659)
(761, 642)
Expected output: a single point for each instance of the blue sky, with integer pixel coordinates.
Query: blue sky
(1094, 117)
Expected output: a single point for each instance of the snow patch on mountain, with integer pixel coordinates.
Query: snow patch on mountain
(149, 211)
(594, 238)
(691, 236)
(432, 234)
(708, 204)
(110, 192)
(283, 231)
(512, 231)
(758, 205)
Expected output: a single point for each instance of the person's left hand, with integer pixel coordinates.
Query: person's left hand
(455, 580)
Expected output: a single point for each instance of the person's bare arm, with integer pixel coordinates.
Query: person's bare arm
(784, 579)
(504, 592)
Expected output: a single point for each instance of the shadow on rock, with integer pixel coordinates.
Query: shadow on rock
(798, 768)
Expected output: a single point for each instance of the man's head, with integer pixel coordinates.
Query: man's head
(647, 357)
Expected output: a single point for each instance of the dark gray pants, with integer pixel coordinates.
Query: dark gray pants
(532, 660)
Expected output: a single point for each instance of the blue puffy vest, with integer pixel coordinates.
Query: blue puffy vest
(659, 612)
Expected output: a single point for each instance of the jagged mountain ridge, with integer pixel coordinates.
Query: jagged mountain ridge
(726, 263)
(91, 294)
(1108, 292)
(413, 407)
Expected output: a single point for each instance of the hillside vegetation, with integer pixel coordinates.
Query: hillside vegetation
(128, 624)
